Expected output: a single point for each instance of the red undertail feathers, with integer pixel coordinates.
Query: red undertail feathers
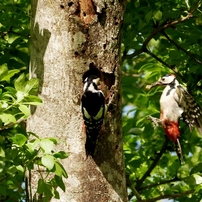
(172, 130)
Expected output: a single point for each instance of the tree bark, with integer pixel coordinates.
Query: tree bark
(67, 39)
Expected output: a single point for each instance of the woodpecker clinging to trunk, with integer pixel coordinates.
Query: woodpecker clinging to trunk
(93, 110)
(176, 102)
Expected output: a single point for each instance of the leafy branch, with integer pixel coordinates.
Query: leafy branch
(133, 189)
(139, 183)
(153, 165)
(7, 126)
(175, 179)
(161, 29)
(181, 48)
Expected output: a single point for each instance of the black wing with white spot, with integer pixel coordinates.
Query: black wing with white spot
(192, 113)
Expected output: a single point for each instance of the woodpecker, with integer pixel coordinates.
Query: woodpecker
(176, 103)
(93, 109)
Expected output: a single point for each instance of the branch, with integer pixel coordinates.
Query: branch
(161, 29)
(181, 48)
(171, 196)
(6, 176)
(12, 124)
(172, 67)
(133, 189)
(175, 179)
(153, 165)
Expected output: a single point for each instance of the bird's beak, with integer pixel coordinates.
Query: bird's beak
(157, 83)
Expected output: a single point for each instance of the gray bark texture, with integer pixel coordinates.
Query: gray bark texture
(68, 37)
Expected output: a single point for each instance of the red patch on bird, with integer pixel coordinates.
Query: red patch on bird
(172, 130)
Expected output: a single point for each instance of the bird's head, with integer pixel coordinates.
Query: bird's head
(163, 81)
(91, 83)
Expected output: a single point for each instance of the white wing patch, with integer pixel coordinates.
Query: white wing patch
(86, 114)
(99, 114)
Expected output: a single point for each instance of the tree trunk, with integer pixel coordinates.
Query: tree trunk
(67, 39)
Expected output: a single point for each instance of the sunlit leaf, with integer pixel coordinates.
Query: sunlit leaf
(3, 71)
(59, 170)
(20, 83)
(48, 161)
(7, 118)
(158, 15)
(19, 139)
(47, 145)
(25, 110)
(10, 74)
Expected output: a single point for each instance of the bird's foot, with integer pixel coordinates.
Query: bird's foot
(155, 121)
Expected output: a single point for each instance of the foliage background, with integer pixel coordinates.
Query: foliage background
(21, 151)
(159, 37)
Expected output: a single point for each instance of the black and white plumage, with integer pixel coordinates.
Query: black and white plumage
(93, 110)
(176, 102)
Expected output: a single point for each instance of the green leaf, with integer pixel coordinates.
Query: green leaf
(2, 152)
(25, 110)
(59, 170)
(3, 71)
(7, 118)
(198, 178)
(56, 194)
(158, 15)
(20, 83)
(32, 100)
(41, 186)
(20, 95)
(33, 83)
(193, 180)
(10, 74)
(48, 161)
(60, 182)
(46, 145)
(19, 168)
(32, 146)
(136, 131)
(54, 140)
(148, 16)
(19, 139)
(61, 155)
(12, 38)
(197, 168)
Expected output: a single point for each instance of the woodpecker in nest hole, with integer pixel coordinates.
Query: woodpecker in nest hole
(93, 110)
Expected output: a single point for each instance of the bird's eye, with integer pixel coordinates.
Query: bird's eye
(163, 79)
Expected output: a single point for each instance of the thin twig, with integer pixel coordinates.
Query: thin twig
(160, 183)
(181, 48)
(133, 189)
(5, 127)
(6, 176)
(153, 165)
(161, 29)
(172, 67)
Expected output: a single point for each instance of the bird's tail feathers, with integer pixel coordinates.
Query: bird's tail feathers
(91, 140)
(179, 151)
